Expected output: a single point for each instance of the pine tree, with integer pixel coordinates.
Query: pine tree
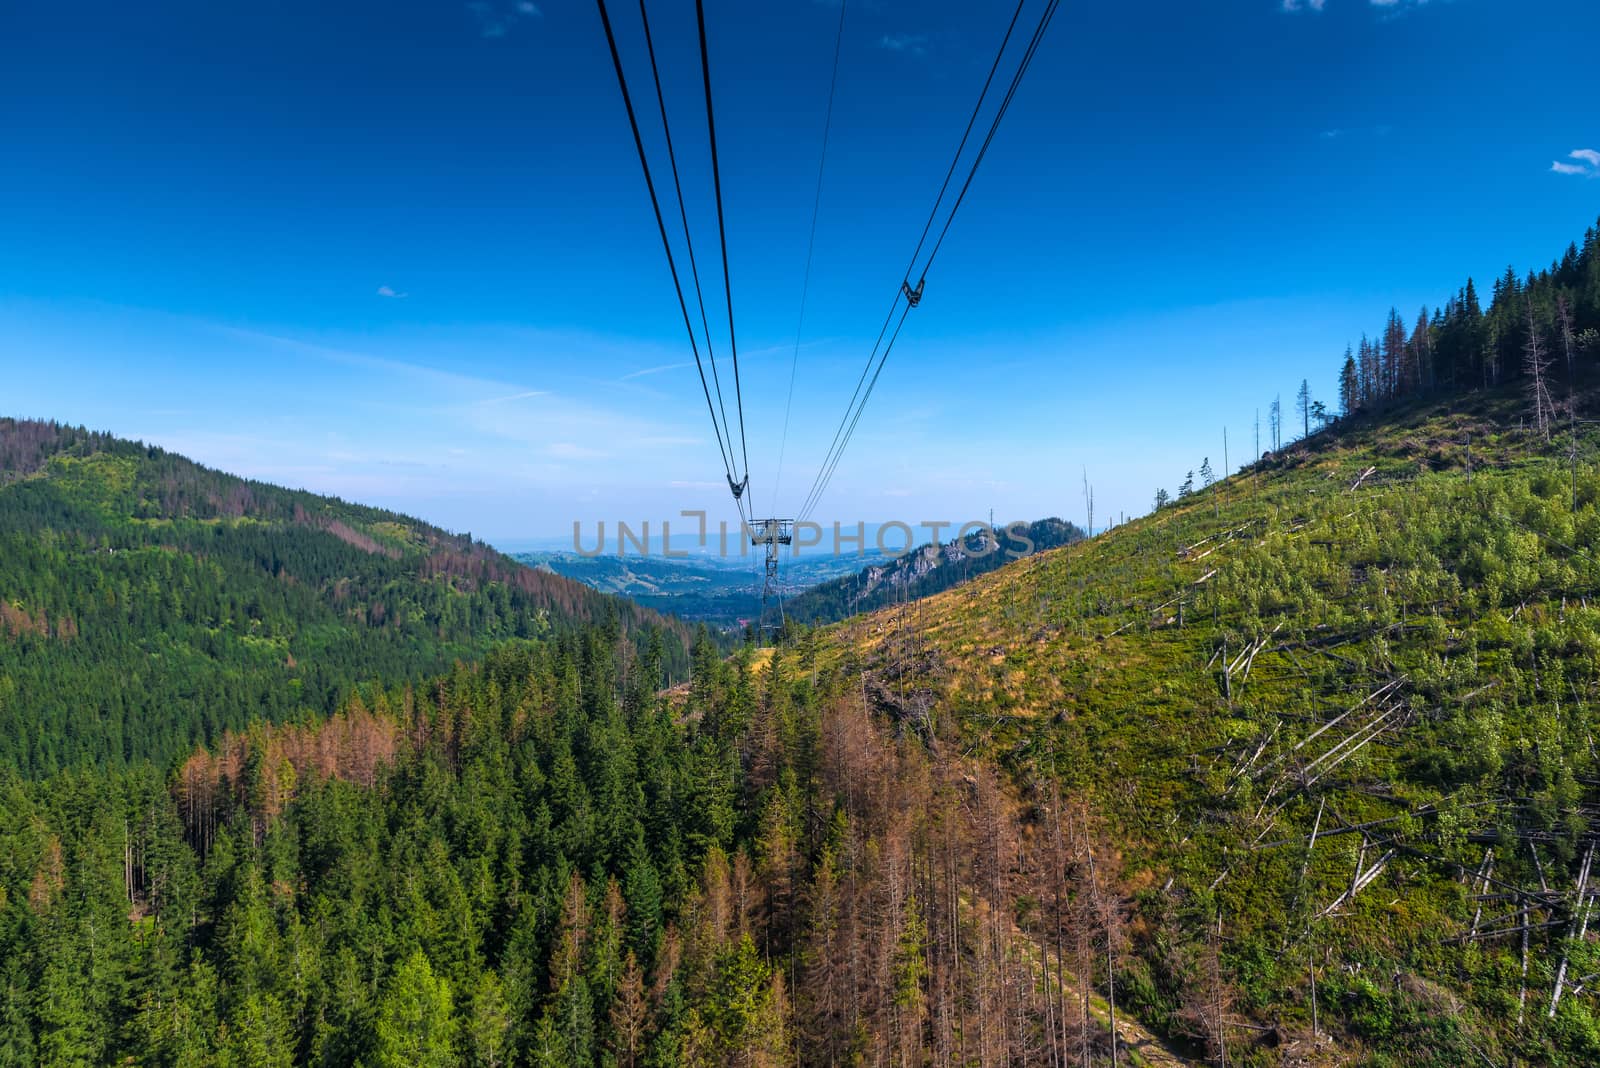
(1422, 352)
(415, 1026)
(739, 1008)
(910, 972)
(574, 1015)
(259, 1035)
(1349, 384)
(641, 889)
(547, 1048)
(488, 1023)
(1396, 349)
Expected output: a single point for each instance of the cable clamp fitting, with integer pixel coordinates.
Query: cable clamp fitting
(738, 488)
(913, 296)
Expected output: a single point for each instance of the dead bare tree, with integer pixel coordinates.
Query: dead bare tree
(1564, 317)
(1088, 500)
(1209, 1007)
(1580, 927)
(1536, 365)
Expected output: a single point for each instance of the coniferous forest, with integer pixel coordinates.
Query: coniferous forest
(539, 860)
(1537, 330)
(148, 603)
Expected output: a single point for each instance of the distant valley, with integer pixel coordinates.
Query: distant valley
(822, 587)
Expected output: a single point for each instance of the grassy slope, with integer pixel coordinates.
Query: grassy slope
(1473, 597)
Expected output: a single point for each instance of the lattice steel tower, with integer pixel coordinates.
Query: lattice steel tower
(772, 533)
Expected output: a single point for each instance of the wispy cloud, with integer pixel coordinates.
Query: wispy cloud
(495, 18)
(524, 395)
(914, 44)
(438, 381)
(1389, 8)
(1587, 165)
(1339, 131)
(1396, 9)
(391, 292)
(654, 370)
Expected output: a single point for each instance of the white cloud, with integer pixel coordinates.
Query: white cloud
(495, 19)
(391, 292)
(1587, 165)
(1392, 8)
(915, 44)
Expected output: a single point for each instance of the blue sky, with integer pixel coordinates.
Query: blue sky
(402, 252)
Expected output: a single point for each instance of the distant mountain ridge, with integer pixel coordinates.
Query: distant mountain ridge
(927, 570)
(148, 602)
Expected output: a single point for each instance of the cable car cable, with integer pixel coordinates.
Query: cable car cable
(722, 233)
(913, 297)
(661, 226)
(683, 216)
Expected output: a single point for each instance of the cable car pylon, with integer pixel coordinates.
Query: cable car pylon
(771, 533)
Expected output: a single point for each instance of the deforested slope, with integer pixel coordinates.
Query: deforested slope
(1337, 715)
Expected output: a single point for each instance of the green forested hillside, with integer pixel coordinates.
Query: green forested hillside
(147, 602)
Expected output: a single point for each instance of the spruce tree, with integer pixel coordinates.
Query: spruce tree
(415, 1026)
